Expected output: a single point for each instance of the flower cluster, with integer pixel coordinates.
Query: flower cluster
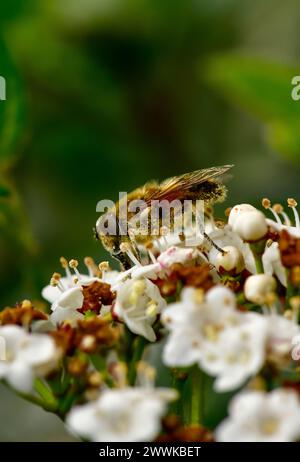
(218, 316)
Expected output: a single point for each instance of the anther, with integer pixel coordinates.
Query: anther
(73, 264)
(266, 203)
(56, 276)
(63, 262)
(65, 265)
(125, 248)
(291, 202)
(91, 266)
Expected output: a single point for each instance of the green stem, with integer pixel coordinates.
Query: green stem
(178, 382)
(45, 393)
(197, 385)
(258, 264)
(34, 400)
(257, 249)
(139, 346)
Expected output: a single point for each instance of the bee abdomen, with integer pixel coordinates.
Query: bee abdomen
(208, 191)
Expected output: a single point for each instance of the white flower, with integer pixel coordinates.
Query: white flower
(122, 415)
(160, 266)
(238, 354)
(237, 210)
(281, 332)
(284, 223)
(138, 303)
(258, 287)
(251, 226)
(27, 356)
(53, 293)
(272, 263)
(231, 259)
(262, 417)
(225, 237)
(177, 255)
(224, 342)
(67, 294)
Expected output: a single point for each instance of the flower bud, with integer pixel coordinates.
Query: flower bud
(231, 260)
(237, 210)
(251, 226)
(258, 287)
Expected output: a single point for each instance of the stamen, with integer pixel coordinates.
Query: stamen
(266, 203)
(64, 264)
(152, 257)
(160, 247)
(227, 211)
(279, 209)
(26, 304)
(151, 308)
(56, 283)
(91, 266)
(132, 233)
(146, 374)
(103, 267)
(293, 204)
(125, 248)
(73, 264)
(57, 277)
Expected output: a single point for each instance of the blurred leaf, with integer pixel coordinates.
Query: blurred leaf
(4, 191)
(12, 9)
(11, 110)
(62, 70)
(264, 89)
(13, 220)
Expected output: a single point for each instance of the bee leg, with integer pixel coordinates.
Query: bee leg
(205, 235)
(209, 239)
(124, 261)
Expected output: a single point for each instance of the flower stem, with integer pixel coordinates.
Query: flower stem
(46, 394)
(197, 396)
(139, 346)
(257, 251)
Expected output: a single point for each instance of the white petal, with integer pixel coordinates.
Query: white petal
(71, 298)
(20, 377)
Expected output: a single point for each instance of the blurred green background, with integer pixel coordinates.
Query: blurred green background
(103, 95)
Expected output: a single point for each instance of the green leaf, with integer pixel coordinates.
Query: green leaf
(264, 89)
(11, 109)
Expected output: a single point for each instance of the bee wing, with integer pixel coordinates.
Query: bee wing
(177, 186)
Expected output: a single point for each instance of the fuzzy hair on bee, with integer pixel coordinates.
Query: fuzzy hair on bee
(205, 185)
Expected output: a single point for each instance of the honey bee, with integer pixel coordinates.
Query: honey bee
(205, 185)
